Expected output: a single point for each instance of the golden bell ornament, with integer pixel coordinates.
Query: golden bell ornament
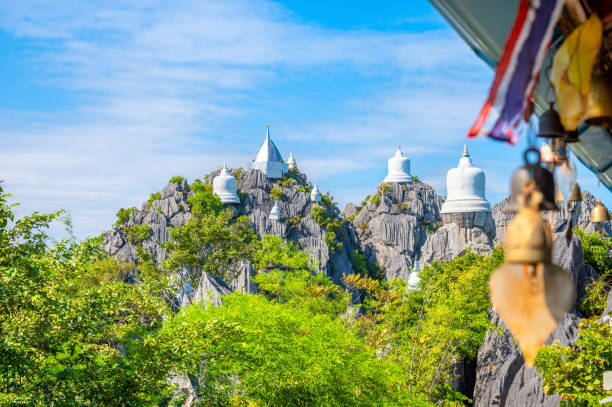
(576, 195)
(599, 104)
(530, 294)
(599, 213)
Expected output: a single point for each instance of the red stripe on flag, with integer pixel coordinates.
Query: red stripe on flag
(501, 67)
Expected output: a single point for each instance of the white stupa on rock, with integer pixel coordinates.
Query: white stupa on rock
(224, 186)
(269, 160)
(398, 168)
(315, 195)
(291, 162)
(465, 186)
(415, 279)
(275, 213)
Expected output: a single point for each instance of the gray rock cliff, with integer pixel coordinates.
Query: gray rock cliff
(393, 225)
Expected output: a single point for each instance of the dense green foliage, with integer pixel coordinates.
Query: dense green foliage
(426, 330)
(595, 251)
(269, 354)
(212, 241)
(69, 325)
(123, 215)
(576, 373)
(595, 248)
(276, 193)
(152, 198)
(177, 179)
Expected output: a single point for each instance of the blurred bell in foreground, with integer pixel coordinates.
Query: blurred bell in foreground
(543, 179)
(530, 294)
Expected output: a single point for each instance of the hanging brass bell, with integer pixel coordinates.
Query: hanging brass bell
(530, 294)
(550, 124)
(572, 137)
(544, 182)
(599, 213)
(576, 195)
(599, 103)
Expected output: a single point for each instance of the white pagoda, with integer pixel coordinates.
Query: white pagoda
(224, 186)
(398, 168)
(269, 160)
(466, 204)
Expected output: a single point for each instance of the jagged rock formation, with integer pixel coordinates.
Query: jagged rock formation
(451, 241)
(580, 216)
(171, 209)
(502, 379)
(296, 224)
(392, 227)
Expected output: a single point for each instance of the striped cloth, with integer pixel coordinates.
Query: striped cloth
(518, 69)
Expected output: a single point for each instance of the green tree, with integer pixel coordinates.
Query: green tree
(69, 324)
(264, 353)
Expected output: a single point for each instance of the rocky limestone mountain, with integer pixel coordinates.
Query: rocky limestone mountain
(452, 240)
(580, 216)
(392, 225)
(296, 222)
(170, 208)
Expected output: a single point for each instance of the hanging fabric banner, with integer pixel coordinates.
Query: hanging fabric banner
(518, 69)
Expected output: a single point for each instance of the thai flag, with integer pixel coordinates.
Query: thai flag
(518, 69)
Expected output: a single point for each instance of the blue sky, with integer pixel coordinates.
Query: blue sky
(103, 102)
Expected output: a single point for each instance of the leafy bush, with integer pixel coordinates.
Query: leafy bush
(596, 296)
(204, 201)
(595, 248)
(294, 221)
(136, 234)
(361, 266)
(276, 193)
(152, 198)
(318, 214)
(242, 195)
(123, 215)
(576, 373)
(415, 179)
(177, 179)
(286, 182)
(384, 187)
(332, 243)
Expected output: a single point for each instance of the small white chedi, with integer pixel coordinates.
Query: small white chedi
(414, 280)
(224, 186)
(315, 195)
(275, 213)
(398, 168)
(269, 160)
(465, 186)
(291, 162)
